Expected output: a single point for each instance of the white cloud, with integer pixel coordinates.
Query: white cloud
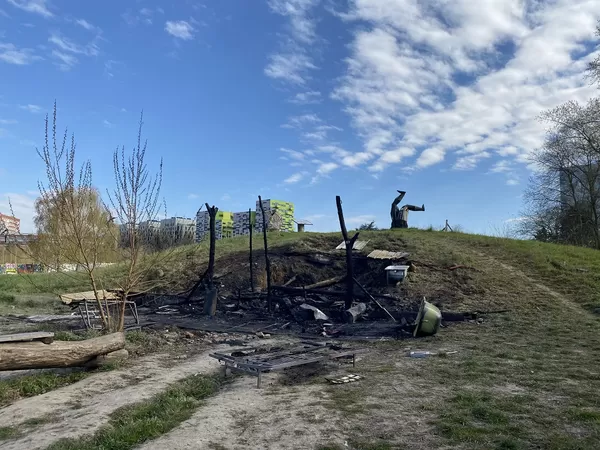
(292, 62)
(302, 25)
(359, 220)
(35, 109)
(11, 54)
(290, 67)
(512, 182)
(471, 83)
(65, 61)
(515, 219)
(85, 24)
(192, 196)
(326, 168)
(23, 207)
(293, 154)
(67, 45)
(33, 6)
(301, 121)
(108, 124)
(143, 16)
(226, 197)
(7, 122)
(295, 178)
(306, 98)
(4, 14)
(180, 29)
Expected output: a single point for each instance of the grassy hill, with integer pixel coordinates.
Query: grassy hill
(529, 378)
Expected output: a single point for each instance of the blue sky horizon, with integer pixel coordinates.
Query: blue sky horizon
(298, 100)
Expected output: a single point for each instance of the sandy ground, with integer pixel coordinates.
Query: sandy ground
(83, 407)
(243, 417)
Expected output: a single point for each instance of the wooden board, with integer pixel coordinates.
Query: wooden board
(358, 245)
(43, 336)
(384, 254)
(89, 295)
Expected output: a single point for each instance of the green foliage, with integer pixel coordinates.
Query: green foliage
(132, 425)
(30, 385)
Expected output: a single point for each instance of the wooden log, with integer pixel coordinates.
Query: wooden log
(355, 312)
(103, 360)
(349, 246)
(325, 283)
(37, 355)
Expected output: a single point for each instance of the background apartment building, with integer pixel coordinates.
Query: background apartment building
(223, 225)
(9, 225)
(279, 216)
(178, 230)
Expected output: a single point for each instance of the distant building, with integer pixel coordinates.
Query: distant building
(149, 231)
(242, 221)
(9, 225)
(178, 230)
(223, 225)
(279, 215)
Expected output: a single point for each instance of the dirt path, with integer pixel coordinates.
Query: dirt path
(272, 418)
(83, 407)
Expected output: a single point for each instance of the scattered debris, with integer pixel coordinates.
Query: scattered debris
(257, 361)
(345, 379)
(395, 274)
(358, 245)
(384, 254)
(355, 312)
(315, 313)
(428, 320)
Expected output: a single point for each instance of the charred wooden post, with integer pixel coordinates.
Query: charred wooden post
(250, 224)
(210, 301)
(349, 245)
(267, 262)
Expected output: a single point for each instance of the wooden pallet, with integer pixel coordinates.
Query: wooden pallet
(252, 361)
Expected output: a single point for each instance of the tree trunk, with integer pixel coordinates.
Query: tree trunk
(212, 212)
(349, 244)
(37, 355)
(251, 262)
(267, 262)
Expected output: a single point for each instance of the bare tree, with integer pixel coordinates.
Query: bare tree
(563, 197)
(70, 216)
(135, 201)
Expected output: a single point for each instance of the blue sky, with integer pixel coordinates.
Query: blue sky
(298, 100)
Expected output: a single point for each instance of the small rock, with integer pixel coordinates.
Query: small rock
(189, 335)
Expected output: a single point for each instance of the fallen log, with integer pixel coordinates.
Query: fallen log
(326, 283)
(355, 312)
(109, 358)
(37, 355)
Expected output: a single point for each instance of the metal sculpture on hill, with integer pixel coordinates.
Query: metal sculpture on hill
(400, 215)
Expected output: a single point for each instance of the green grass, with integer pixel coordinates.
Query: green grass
(132, 425)
(30, 385)
(14, 432)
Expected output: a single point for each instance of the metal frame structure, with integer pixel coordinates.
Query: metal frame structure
(89, 310)
(255, 363)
